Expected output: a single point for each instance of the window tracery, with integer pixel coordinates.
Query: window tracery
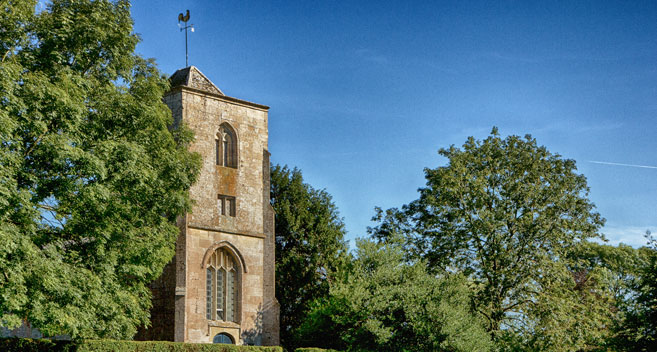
(221, 287)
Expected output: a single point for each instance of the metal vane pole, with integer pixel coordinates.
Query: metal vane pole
(184, 19)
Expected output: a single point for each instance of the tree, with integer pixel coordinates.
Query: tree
(639, 330)
(612, 274)
(506, 213)
(384, 303)
(622, 265)
(310, 246)
(92, 173)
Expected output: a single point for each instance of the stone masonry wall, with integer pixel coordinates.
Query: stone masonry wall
(271, 310)
(250, 326)
(204, 114)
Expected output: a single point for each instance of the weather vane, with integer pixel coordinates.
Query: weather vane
(184, 19)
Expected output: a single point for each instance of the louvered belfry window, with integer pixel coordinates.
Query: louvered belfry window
(221, 287)
(226, 146)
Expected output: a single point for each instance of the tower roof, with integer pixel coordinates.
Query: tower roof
(193, 78)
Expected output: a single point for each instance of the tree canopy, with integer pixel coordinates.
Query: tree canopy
(92, 173)
(507, 213)
(638, 331)
(310, 246)
(384, 303)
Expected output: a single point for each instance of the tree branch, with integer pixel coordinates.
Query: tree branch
(36, 142)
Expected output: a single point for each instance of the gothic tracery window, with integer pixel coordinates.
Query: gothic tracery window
(226, 146)
(221, 287)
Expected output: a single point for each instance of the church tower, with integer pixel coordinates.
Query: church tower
(220, 285)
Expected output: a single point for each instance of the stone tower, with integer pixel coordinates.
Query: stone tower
(220, 285)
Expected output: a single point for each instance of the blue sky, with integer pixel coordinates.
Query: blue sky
(363, 94)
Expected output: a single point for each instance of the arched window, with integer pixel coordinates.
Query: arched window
(226, 146)
(223, 338)
(221, 287)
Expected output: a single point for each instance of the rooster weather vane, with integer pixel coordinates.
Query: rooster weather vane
(185, 18)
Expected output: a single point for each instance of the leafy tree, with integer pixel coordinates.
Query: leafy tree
(92, 175)
(622, 267)
(384, 303)
(310, 246)
(639, 330)
(507, 213)
(614, 274)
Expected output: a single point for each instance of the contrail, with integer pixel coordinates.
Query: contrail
(619, 164)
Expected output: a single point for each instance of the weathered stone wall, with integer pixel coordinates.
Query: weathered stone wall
(250, 281)
(271, 310)
(250, 233)
(204, 114)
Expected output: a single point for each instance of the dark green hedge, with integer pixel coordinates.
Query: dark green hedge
(313, 349)
(30, 345)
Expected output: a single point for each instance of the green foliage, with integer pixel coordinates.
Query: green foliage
(508, 214)
(619, 270)
(384, 303)
(164, 346)
(595, 307)
(309, 246)
(621, 265)
(92, 175)
(30, 345)
(638, 331)
(313, 349)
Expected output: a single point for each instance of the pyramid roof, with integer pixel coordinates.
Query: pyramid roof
(192, 77)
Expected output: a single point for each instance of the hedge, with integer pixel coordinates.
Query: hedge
(313, 349)
(34, 345)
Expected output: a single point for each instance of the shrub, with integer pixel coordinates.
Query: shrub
(32, 345)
